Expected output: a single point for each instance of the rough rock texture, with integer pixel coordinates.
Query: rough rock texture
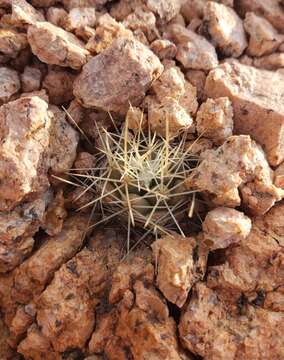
(255, 95)
(164, 49)
(56, 46)
(56, 16)
(224, 226)
(9, 84)
(225, 29)
(179, 263)
(263, 37)
(215, 119)
(193, 51)
(119, 75)
(270, 62)
(24, 14)
(11, 43)
(80, 17)
(31, 79)
(239, 164)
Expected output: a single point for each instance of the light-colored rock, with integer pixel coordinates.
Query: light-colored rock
(118, 76)
(168, 116)
(59, 86)
(239, 164)
(12, 42)
(180, 262)
(255, 95)
(42, 94)
(263, 37)
(164, 49)
(31, 79)
(71, 4)
(215, 119)
(24, 14)
(75, 113)
(9, 84)
(270, 62)
(56, 46)
(55, 215)
(136, 119)
(170, 84)
(25, 125)
(165, 9)
(197, 78)
(56, 16)
(79, 18)
(279, 176)
(224, 226)
(193, 51)
(225, 29)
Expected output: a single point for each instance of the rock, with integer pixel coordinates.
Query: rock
(239, 164)
(270, 10)
(75, 113)
(180, 263)
(279, 176)
(197, 78)
(215, 119)
(170, 84)
(85, 161)
(59, 86)
(168, 116)
(165, 9)
(25, 125)
(56, 16)
(80, 17)
(22, 321)
(55, 215)
(56, 46)
(12, 42)
(9, 84)
(255, 94)
(224, 226)
(263, 37)
(24, 14)
(193, 51)
(32, 276)
(118, 76)
(164, 49)
(63, 142)
(31, 79)
(5, 350)
(71, 4)
(136, 119)
(39, 93)
(225, 29)
(270, 62)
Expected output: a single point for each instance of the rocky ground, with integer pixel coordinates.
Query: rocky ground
(212, 68)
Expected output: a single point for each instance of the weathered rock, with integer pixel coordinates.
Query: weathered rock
(5, 350)
(224, 226)
(9, 84)
(79, 18)
(56, 46)
(31, 79)
(263, 37)
(193, 51)
(197, 78)
(165, 9)
(59, 86)
(215, 119)
(255, 95)
(24, 14)
(118, 76)
(270, 62)
(180, 262)
(225, 29)
(164, 49)
(71, 4)
(55, 215)
(56, 16)
(238, 164)
(42, 94)
(11, 43)
(279, 176)
(25, 125)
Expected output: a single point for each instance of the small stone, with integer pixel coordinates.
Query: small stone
(279, 176)
(24, 14)
(79, 18)
(164, 49)
(170, 84)
(270, 62)
(215, 119)
(225, 29)
(118, 76)
(9, 84)
(263, 37)
(197, 78)
(56, 16)
(59, 86)
(71, 4)
(136, 119)
(193, 51)
(31, 79)
(56, 46)
(223, 227)
(75, 113)
(165, 9)
(11, 43)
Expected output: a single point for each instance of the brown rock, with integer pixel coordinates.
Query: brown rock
(180, 263)
(164, 49)
(75, 113)
(70, 4)
(56, 16)
(5, 350)
(9, 84)
(255, 94)
(22, 320)
(56, 46)
(270, 62)
(80, 17)
(11, 43)
(263, 37)
(197, 78)
(31, 79)
(224, 226)
(118, 76)
(55, 215)
(225, 29)
(165, 9)
(279, 176)
(24, 14)
(238, 163)
(59, 86)
(25, 126)
(39, 93)
(215, 119)
(193, 51)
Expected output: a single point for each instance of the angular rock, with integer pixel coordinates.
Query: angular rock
(56, 16)
(9, 84)
(31, 79)
(56, 46)
(215, 120)
(255, 95)
(165, 9)
(25, 125)
(12, 42)
(55, 215)
(59, 86)
(180, 262)
(224, 226)
(239, 164)
(79, 18)
(71, 4)
(118, 76)
(164, 49)
(225, 29)
(193, 51)
(24, 14)
(263, 37)
(270, 62)
(197, 78)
